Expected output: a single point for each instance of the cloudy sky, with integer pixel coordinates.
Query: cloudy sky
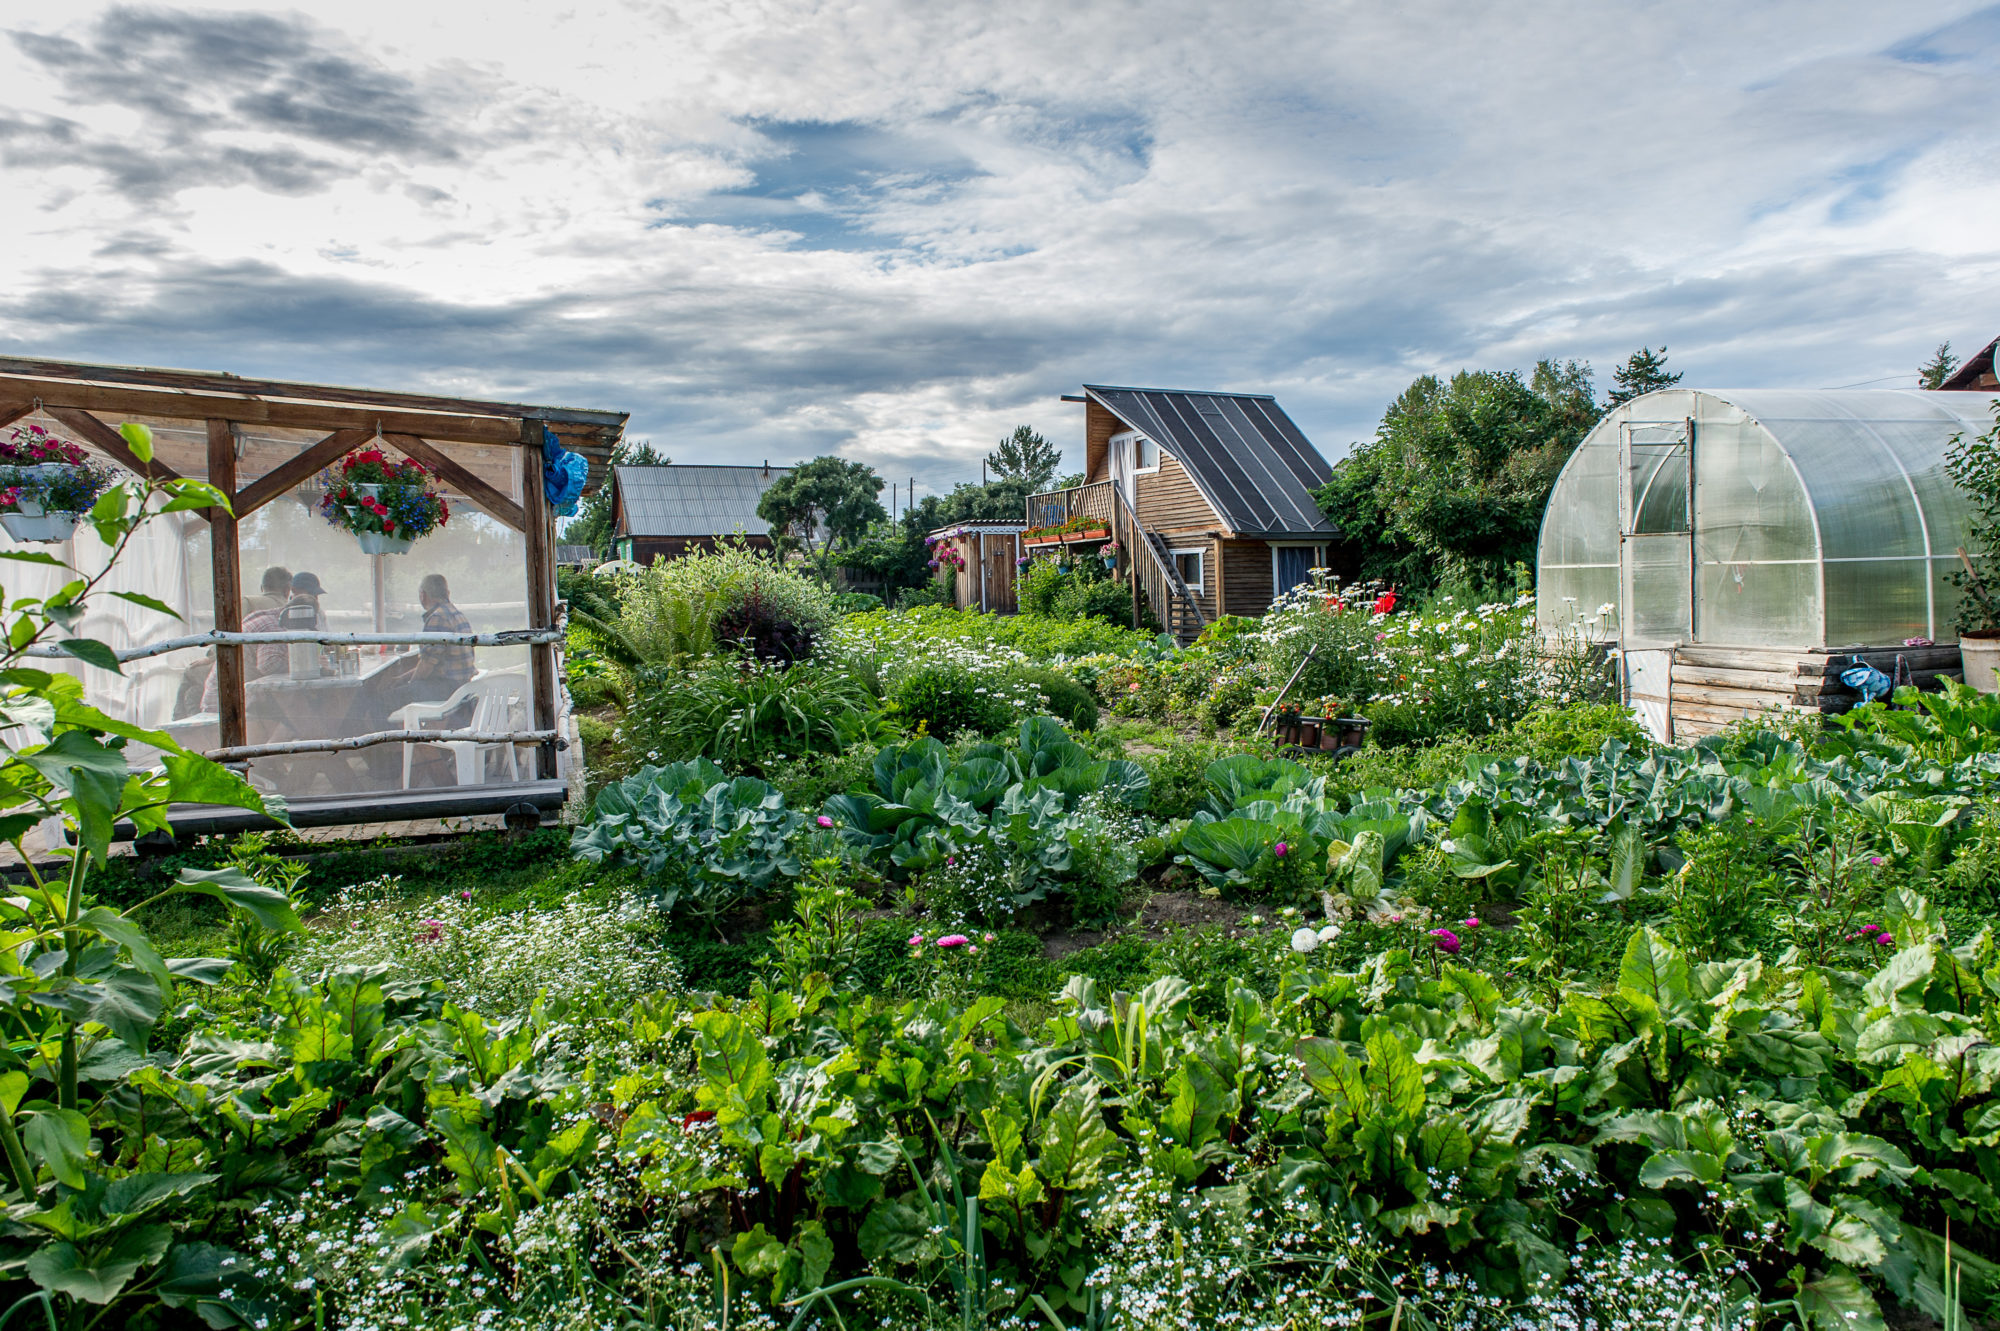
(771, 228)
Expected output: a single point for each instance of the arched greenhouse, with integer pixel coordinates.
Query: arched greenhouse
(1739, 546)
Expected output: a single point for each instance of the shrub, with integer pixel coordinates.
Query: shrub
(1068, 701)
(946, 698)
(1035, 637)
(669, 612)
(932, 593)
(856, 603)
(756, 627)
(745, 714)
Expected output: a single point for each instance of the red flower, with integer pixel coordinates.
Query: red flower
(1385, 603)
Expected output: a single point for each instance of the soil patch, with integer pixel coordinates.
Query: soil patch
(1165, 912)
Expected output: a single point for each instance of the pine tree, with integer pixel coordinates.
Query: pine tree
(1644, 372)
(1935, 371)
(1024, 456)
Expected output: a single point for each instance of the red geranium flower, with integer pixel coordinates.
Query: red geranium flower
(1385, 603)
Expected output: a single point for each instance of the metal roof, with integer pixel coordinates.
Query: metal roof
(1241, 450)
(691, 500)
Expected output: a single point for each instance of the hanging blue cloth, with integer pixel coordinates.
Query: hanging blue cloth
(563, 474)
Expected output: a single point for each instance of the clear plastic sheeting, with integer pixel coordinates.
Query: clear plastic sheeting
(1819, 518)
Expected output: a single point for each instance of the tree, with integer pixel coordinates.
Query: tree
(1024, 456)
(1935, 371)
(1453, 484)
(823, 506)
(1644, 372)
(592, 524)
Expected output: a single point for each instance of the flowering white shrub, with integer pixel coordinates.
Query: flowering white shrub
(1450, 667)
(493, 963)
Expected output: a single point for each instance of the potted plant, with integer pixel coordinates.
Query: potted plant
(1109, 554)
(1974, 465)
(46, 485)
(386, 504)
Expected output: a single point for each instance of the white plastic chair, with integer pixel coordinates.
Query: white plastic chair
(499, 703)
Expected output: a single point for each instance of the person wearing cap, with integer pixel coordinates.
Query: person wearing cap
(266, 658)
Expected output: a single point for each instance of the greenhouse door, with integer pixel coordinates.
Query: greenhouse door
(1655, 561)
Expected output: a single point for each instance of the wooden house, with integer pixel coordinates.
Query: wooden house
(664, 512)
(1209, 496)
(326, 724)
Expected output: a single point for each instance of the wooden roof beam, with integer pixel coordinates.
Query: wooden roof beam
(110, 441)
(193, 406)
(448, 470)
(283, 478)
(202, 381)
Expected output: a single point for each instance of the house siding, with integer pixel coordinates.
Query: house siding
(1168, 501)
(1246, 572)
(1098, 427)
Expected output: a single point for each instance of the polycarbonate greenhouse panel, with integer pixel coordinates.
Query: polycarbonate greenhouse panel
(1759, 605)
(1820, 517)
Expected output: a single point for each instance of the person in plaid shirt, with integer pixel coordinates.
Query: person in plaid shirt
(440, 666)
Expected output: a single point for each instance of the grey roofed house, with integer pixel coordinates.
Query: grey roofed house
(1243, 453)
(671, 508)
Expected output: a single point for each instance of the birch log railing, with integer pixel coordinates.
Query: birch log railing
(243, 753)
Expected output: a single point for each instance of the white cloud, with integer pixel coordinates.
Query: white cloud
(896, 229)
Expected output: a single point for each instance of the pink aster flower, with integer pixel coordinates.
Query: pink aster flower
(1447, 941)
(953, 940)
(1280, 849)
(916, 940)
(1886, 940)
(1875, 860)
(824, 821)
(986, 938)
(1472, 923)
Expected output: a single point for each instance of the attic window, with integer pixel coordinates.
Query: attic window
(1145, 454)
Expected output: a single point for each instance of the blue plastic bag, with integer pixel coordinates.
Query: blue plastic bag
(1865, 679)
(563, 474)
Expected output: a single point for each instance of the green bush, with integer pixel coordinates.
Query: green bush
(1069, 701)
(670, 610)
(856, 603)
(946, 698)
(1575, 732)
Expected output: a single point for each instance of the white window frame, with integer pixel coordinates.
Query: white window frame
(1319, 561)
(1139, 436)
(1200, 585)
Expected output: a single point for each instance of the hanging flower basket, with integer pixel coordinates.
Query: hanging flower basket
(46, 485)
(386, 504)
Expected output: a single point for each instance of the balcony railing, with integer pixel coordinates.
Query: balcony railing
(1053, 508)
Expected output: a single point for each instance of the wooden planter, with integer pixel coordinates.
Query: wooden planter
(1338, 735)
(1066, 538)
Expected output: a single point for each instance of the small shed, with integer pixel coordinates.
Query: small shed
(1738, 546)
(987, 557)
(270, 445)
(663, 512)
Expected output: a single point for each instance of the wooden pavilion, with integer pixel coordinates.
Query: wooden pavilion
(268, 444)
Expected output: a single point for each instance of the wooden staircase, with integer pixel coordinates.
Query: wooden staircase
(1173, 604)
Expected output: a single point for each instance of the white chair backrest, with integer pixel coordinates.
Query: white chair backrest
(498, 695)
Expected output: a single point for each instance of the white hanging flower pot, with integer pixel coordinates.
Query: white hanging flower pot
(38, 526)
(381, 543)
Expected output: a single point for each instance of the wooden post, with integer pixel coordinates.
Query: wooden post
(225, 562)
(540, 532)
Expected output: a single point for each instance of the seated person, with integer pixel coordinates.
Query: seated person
(276, 589)
(266, 658)
(439, 668)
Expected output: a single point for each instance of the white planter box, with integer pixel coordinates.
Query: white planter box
(377, 543)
